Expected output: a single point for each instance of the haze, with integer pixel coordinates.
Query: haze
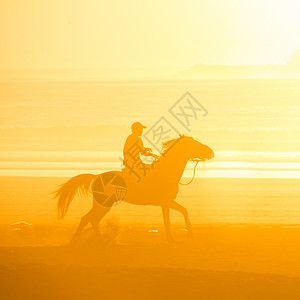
(146, 34)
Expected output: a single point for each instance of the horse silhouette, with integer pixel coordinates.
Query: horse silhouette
(158, 187)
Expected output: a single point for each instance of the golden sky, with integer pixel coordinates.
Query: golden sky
(146, 34)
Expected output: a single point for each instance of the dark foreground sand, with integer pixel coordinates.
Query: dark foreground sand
(222, 262)
(36, 281)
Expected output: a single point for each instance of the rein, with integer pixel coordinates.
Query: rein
(197, 161)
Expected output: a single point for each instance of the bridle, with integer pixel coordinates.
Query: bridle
(196, 160)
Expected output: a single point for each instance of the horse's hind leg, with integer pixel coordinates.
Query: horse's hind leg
(93, 216)
(83, 222)
(97, 214)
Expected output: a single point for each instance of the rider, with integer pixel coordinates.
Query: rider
(133, 147)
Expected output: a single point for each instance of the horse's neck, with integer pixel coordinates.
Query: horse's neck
(171, 167)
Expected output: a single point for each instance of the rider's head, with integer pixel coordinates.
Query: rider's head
(137, 128)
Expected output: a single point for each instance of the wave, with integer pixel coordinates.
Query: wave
(226, 164)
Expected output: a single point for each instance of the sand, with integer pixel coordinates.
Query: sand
(221, 262)
(73, 282)
(132, 260)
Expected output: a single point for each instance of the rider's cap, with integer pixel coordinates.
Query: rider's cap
(137, 125)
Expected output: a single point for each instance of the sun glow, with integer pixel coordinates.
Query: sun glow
(97, 34)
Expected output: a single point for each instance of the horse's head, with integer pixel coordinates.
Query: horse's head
(191, 148)
(197, 150)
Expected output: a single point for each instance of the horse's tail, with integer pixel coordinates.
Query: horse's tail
(67, 191)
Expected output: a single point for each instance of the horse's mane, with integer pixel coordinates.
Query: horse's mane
(166, 145)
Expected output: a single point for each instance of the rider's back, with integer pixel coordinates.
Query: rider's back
(131, 142)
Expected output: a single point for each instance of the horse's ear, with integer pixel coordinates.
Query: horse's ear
(181, 135)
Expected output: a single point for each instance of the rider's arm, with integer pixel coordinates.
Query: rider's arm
(146, 151)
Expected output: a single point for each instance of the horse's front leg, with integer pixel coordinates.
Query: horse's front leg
(166, 215)
(174, 205)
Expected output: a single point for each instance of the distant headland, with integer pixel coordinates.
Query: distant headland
(289, 70)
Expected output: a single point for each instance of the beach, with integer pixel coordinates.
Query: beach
(239, 254)
(222, 262)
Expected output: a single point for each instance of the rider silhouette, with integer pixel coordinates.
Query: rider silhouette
(133, 147)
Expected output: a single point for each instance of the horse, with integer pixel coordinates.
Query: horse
(158, 186)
